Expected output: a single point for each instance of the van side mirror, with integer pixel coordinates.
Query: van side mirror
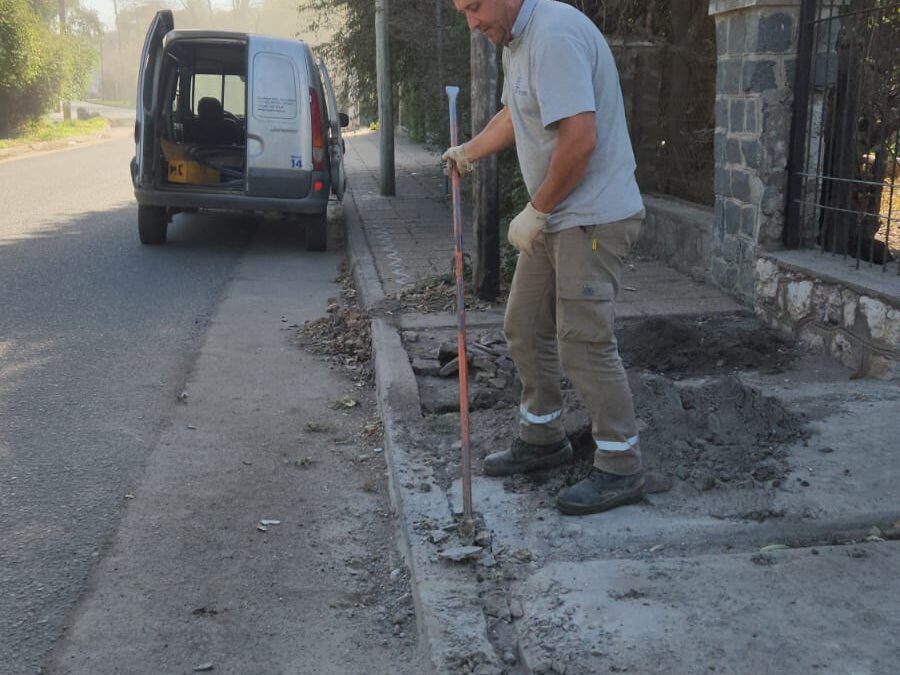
(345, 121)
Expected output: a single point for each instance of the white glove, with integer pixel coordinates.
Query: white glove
(457, 155)
(525, 228)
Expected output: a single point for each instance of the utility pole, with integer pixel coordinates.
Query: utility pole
(439, 16)
(66, 105)
(118, 52)
(385, 97)
(486, 212)
(102, 85)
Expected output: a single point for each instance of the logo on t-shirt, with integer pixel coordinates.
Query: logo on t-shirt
(519, 87)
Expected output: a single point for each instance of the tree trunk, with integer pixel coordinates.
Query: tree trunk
(66, 105)
(485, 102)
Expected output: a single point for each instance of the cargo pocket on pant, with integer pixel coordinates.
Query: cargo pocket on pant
(585, 310)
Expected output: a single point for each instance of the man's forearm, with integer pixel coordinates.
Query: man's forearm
(497, 135)
(574, 146)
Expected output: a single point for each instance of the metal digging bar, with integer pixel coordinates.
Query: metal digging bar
(467, 526)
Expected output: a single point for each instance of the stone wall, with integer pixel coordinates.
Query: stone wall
(638, 63)
(679, 233)
(757, 52)
(858, 325)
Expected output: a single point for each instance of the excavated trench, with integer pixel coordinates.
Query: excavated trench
(701, 426)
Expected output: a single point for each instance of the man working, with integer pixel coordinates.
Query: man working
(563, 110)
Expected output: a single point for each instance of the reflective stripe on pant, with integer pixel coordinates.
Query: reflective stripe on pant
(560, 317)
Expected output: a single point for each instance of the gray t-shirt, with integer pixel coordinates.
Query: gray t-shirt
(560, 65)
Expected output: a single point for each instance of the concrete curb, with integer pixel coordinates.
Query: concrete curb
(362, 264)
(18, 151)
(450, 621)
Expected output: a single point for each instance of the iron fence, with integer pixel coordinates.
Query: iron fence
(843, 191)
(685, 161)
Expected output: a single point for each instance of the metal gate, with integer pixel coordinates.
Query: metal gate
(844, 178)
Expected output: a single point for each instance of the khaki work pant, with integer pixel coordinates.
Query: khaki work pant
(559, 318)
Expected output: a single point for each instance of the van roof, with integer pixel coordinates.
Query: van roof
(194, 33)
(198, 33)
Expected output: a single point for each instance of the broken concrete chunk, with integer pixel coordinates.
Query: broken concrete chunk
(496, 605)
(492, 338)
(485, 364)
(447, 352)
(426, 367)
(461, 553)
(655, 483)
(498, 382)
(437, 536)
(774, 547)
(487, 669)
(483, 538)
(488, 561)
(523, 555)
(449, 368)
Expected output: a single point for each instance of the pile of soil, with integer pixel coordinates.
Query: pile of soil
(714, 433)
(703, 346)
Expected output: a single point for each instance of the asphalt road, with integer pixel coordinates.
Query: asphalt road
(97, 335)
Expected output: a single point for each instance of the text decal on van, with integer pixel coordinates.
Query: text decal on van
(296, 162)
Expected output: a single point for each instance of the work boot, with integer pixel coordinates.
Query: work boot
(522, 457)
(600, 491)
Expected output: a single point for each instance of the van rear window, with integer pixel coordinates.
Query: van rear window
(228, 89)
(274, 87)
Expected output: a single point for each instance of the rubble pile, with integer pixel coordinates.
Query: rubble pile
(492, 375)
(438, 294)
(344, 336)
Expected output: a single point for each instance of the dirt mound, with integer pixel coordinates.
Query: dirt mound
(680, 347)
(714, 431)
(344, 337)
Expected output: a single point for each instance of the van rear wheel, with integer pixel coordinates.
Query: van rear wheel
(152, 225)
(316, 232)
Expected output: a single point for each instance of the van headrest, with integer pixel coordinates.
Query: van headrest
(209, 108)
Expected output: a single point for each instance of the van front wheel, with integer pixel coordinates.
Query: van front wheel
(152, 224)
(316, 232)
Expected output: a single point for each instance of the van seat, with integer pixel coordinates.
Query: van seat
(211, 126)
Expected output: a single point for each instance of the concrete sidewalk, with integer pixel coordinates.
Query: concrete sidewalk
(787, 577)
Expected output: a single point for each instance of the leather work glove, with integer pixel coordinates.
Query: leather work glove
(525, 228)
(457, 155)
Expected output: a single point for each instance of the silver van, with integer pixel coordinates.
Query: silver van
(234, 121)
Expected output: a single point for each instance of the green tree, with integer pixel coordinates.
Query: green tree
(29, 82)
(38, 65)
(78, 52)
(429, 47)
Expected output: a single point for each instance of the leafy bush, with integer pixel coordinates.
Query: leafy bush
(37, 66)
(429, 49)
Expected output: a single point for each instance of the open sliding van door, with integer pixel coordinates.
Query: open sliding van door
(335, 143)
(147, 99)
